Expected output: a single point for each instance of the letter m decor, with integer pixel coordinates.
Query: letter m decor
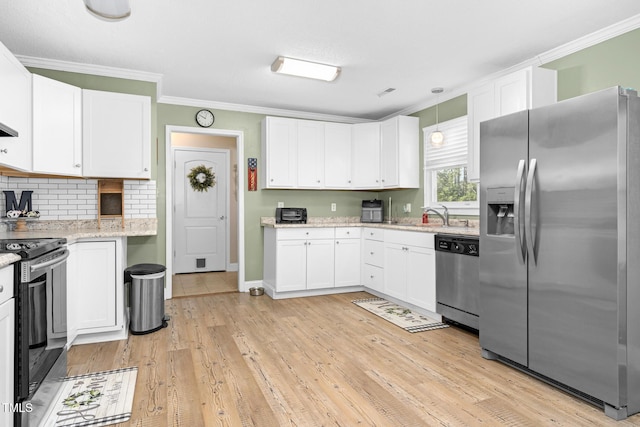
(13, 205)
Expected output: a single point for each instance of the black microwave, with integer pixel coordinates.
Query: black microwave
(291, 215)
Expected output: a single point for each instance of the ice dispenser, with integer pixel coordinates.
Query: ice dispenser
(500, 210)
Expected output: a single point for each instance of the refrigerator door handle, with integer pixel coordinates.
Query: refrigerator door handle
(521, 248)
(528, 226)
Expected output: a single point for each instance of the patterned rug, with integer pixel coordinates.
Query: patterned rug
(96, 399)
(398, 315)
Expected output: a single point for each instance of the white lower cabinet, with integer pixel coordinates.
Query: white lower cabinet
(373, 258)
(96, 289)
(7, 338)
(409, 268)
(299, 258)
(347, 257)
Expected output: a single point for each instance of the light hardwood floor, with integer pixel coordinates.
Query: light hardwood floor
(204, 283)
(236, 360)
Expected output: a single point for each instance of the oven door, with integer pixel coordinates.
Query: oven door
(41, 320)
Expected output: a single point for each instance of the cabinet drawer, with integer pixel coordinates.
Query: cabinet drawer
(348, 232)
(305, 233)
(410, 238)
(373, 253)
(373, 234)
(6, 283)
(373, 277)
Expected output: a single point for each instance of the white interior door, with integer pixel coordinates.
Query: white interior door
(200, 217)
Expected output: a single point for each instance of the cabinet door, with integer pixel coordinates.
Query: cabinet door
(279, 147)
(389, 153)
(57, 127)
(320, 264)
(421, 277)
(512, 93)
(480, 107)
(96, 284)
(337, 155)
(7, 337)
(15, 111)
(310, 154)
(291, 265)
(395, 270)
(347, 262)
(116, 135)
(366, 155)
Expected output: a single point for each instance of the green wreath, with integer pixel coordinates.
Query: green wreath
(201, 178)
(83, 398)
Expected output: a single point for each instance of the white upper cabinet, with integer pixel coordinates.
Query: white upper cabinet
(15, 111)
(116, 135)
(279, 147)
(57, 127)
(337, 155)
(528, 88)
(324, 155)
(399, 148)
(310, 154)
(365, 163)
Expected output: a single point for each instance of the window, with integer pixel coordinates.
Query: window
(445, 169)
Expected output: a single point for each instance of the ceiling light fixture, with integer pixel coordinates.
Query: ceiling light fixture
(300, 68)
(436, 138)
(109, 10)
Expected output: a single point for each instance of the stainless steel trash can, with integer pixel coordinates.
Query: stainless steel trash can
(37, 314)
(146, 298)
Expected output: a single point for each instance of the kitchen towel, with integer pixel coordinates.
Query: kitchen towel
(399, 316)
(96, 399)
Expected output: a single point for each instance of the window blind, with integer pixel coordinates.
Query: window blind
(454, 150)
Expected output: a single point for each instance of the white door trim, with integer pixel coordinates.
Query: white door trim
(239, 135)
(227, 201)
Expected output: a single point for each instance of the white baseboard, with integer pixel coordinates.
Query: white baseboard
(232, 266)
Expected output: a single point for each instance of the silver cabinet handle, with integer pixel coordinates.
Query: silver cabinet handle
(1, 288)
(77, 165)
(529, 230)
(337, 242)
(520, 244)
(146, 169)
(222, 217)
(4, 150)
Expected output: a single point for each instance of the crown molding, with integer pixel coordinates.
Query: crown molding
(200, 103)
(561, 51)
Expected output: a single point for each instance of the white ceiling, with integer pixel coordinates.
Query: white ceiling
(221, 50)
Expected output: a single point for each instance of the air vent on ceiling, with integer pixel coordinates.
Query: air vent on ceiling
(386, 91)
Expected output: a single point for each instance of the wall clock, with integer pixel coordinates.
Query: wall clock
(204, 118)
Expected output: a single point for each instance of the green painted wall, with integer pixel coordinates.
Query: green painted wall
(610, 63)
(613, 62)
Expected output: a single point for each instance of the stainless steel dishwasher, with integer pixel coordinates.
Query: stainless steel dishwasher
(458, 278)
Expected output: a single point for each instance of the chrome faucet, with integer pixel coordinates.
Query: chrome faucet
(444, 217)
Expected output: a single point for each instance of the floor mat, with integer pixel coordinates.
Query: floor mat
(398, 315)
(96, 399)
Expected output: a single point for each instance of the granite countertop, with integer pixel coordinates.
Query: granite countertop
(7, 259)
(407, 224)
(74, 230)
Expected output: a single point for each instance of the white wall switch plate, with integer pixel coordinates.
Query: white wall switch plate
(281, 204)
(333, 207)
(407, 208)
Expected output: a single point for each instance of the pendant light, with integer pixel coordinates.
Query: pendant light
(436, 138)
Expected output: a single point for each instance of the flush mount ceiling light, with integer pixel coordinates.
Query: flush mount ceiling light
(300, 68)
(436, 138)
(109, 10)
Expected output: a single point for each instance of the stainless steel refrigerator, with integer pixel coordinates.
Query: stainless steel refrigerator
(560, 238)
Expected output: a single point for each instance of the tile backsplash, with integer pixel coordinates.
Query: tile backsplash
(77, 199)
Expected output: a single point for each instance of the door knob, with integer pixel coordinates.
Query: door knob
(222, 217)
